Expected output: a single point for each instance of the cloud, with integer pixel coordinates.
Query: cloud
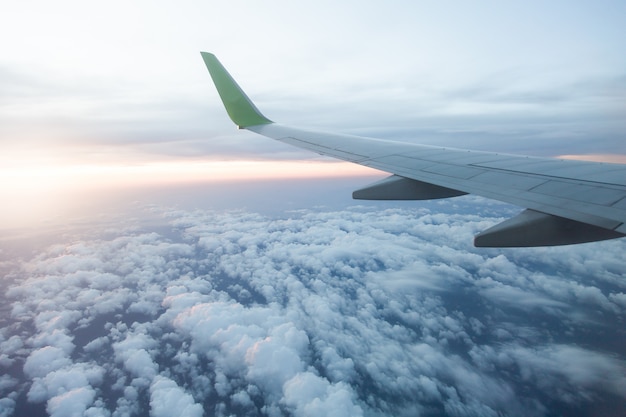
(70, 403)
(168, 399)
(571, 365)
(311, 395)
(352, 312)
(7, 406)
(45, 360)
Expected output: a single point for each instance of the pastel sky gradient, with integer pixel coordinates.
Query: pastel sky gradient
(120, 87)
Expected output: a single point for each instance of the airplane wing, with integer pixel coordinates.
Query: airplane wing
(566, 201)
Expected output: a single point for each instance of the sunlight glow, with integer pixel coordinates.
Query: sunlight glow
(41, 191)
(61, 176)
(611, 158)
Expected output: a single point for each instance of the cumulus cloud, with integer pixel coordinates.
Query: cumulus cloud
(168, 399)
(311, 395)
(70, 403)
(43, 361)
(353, 312)
(570, 365)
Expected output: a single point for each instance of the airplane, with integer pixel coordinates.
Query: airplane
(566, 201)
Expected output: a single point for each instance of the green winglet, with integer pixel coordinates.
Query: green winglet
(240, 108)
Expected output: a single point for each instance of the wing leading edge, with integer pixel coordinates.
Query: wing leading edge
(566, 201)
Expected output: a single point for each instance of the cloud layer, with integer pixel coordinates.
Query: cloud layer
(345, 313)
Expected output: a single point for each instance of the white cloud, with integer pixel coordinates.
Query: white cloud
(45, 360)
(68, 391)
(371, 312)
(570, 365)
(7, 406)
(71, 403)
(309, 395)
(168, 399)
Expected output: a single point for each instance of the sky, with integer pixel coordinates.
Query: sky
(117, 93)
(157, 261)
(119, 84)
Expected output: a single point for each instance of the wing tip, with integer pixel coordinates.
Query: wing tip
(239, 107)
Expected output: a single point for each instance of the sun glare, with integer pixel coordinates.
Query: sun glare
(45, 190)
(36, 192)
(611, 158)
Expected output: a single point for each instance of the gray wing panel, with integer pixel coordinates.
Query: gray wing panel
(587, 192)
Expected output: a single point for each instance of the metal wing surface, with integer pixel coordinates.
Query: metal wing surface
(566, 201)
